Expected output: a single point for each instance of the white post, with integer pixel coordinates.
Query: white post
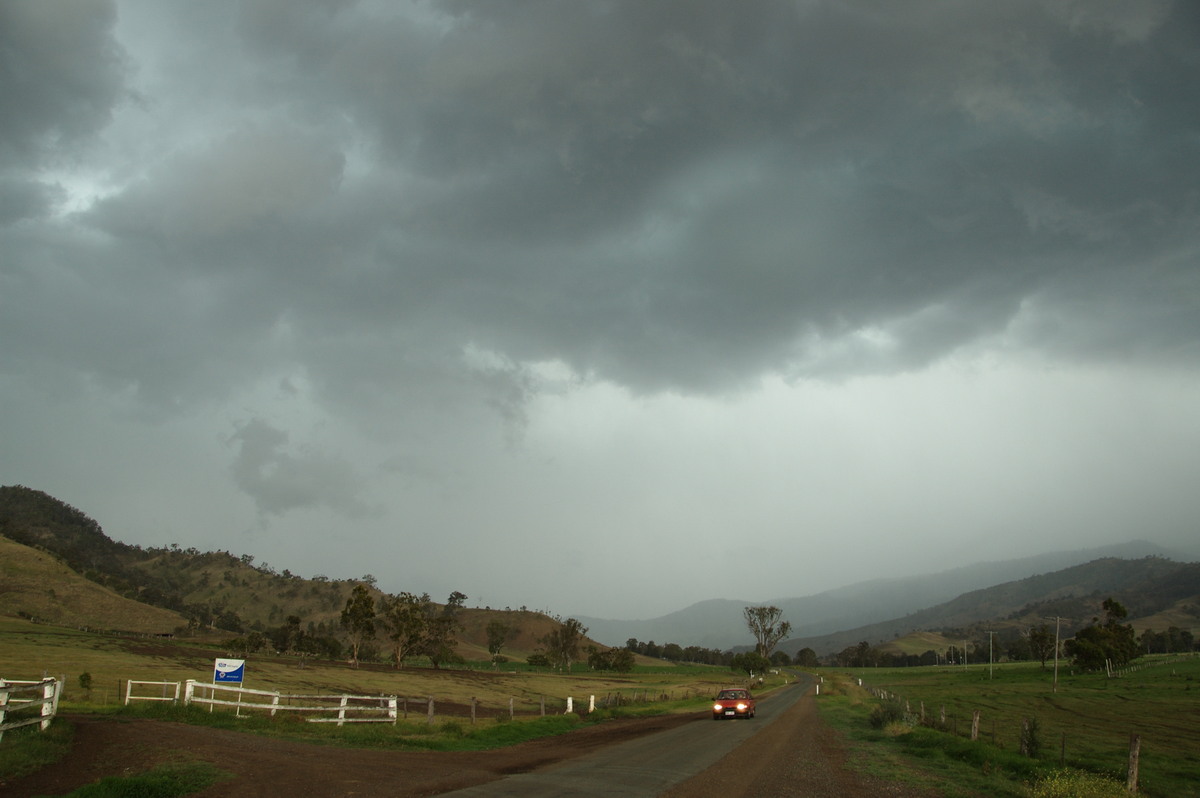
(53, 709)
(591, 704)
(568, 705)
(49, 701)
(189, 691)
(342, 711)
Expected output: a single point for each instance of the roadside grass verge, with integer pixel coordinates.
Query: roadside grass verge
(27, 750)
(1080, 734)
(444, 734)
(449, 734)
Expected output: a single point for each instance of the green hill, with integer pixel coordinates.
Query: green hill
(36, 585)
(1157, 592)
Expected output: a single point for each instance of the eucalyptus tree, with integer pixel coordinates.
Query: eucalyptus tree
(358, 619)
(767, 626)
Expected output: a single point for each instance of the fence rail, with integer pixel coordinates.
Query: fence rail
(14, 703)
(166, 687)
(339, 708)
(346, 708)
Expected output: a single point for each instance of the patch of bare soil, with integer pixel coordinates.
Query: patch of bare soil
(262, 766)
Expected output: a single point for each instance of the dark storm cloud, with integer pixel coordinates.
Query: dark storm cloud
(684, 196)
(667, 195)
(280, 481)
(522, 273)
(26, 199)
(61, 72)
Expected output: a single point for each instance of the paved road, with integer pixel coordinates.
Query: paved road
(644, 767)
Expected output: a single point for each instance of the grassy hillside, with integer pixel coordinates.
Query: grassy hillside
(34, 584)
(917, 643)
(1157, 592)
(57, 565)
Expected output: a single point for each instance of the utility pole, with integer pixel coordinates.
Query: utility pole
(990, 634)
(1057, 623)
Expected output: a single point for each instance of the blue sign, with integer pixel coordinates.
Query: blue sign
(229, 670)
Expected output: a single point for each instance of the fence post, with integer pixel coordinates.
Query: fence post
(472, 710)
(51, 690)
(392, 713)
(1135, 749)
(591, 704)
(511, 713)
(975, 725)
(189, 691)
(543, 703)
(429, 715)
(342, 710)
(568, 712)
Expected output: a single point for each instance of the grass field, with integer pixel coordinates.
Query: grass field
(1086, 725)
(32, 651)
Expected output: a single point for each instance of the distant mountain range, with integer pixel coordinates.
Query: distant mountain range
(880, 608)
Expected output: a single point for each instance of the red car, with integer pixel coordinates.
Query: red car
(733, 702)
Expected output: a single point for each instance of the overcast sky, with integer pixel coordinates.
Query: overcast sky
(604, 307)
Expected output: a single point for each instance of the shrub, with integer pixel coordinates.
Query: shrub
(1075, 784)
(887, 712)
(452, 728)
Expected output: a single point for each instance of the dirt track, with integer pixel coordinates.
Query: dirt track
(797, 755)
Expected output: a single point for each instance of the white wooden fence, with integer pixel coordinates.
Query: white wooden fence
(337, 709)
(169, 691)
(13, 702)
